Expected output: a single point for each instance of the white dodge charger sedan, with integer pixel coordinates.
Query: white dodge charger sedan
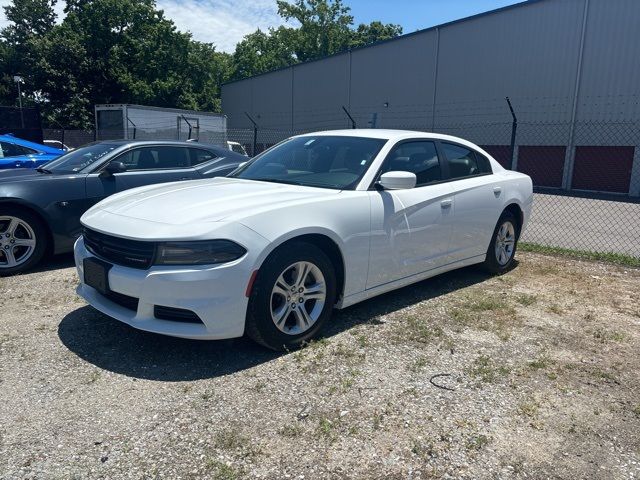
(317, 222)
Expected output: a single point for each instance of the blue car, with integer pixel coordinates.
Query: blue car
(18, 153)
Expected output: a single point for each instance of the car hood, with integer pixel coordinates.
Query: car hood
(13, 175)
(195, 202)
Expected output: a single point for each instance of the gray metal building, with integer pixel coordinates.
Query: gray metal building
(570, 67)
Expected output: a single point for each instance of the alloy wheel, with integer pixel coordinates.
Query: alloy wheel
(298, 298)
(17, 241)
(505, 243)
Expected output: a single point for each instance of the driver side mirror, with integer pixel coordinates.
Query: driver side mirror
(397, 180)
(113, 168)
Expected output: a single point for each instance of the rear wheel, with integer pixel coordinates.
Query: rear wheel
(502, 249)
(23, 241)
(292, 297)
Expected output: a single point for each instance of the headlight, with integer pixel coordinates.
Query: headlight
(205, 252)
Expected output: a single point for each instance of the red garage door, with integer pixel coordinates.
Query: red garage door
(605, 169)
(544, 164)
(502, 153)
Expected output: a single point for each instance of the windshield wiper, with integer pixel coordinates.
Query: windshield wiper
(275, 180)
(43, 170)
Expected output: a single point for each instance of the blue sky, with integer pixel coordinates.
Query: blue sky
(418, 14)
(225, 22)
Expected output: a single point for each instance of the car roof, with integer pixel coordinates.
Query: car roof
(26, 143)
(385, 134)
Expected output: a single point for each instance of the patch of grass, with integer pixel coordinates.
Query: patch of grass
(529, 408)
(555, 308)
(231, 439)
(418, 365)
(423, 449)
(421, 330)
(540, 363)
(610, 257)
(486, 370)
(636, 410)
(485, 311)
(221, 471)
(291, 430)
(526, 300)
(604, 335)
(477, 442)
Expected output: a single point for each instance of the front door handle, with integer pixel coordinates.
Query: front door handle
(446, 203)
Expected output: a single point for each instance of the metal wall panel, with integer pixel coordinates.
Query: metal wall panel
(320, 89)
(237, 99)
(610, 77)
(529, 53)
(272, 99)
(399, 74)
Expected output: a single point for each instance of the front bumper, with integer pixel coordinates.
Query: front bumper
(215, 293)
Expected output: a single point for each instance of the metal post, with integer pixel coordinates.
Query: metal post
(255, 133)
(353, 122)
(514, 129)
(135, 129)
(18, 80)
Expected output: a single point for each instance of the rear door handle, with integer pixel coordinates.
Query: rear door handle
(497, 191)
(446, 203)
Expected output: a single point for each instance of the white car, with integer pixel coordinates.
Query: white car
(317, 222)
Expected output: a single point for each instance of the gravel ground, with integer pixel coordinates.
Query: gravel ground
(542, 381)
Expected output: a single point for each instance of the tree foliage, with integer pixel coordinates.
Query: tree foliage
(127, 51)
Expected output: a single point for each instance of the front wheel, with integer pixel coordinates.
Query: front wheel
(502, 249)
(292, 297)
(22, 241)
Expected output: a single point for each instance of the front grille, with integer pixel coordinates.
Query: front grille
(175, 314)
(121, 251)
(123, 300)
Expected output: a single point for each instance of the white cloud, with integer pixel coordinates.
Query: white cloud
(221, 22)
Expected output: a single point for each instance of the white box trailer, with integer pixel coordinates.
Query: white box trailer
(139, 122)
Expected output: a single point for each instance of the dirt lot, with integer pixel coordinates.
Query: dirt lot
(543, 365)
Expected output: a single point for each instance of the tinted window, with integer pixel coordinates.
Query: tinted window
(199, 156)
(417, 157)
(81, 158)
(13, 150)
(483, 163)
(315, 161)
(155, 158)
(461, 161)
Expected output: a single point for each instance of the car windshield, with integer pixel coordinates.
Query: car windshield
(81, 158)
(337, 162)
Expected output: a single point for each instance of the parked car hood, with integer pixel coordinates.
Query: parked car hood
(13, 175)
(194, 202)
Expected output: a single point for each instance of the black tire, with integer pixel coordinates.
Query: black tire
(39, 231)
(492, 263)
(260, 326)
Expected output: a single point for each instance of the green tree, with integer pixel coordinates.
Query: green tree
(28, 20)
(260, 52)
(325, 27)
(124, 51)
(373, 32)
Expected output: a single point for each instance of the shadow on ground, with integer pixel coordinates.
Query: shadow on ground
(116, 347)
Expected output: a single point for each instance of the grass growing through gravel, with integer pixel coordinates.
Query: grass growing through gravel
(483, 310)
(610, 257)
(219, 471)
(485, 369)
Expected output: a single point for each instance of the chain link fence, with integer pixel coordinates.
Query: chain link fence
(587, 195)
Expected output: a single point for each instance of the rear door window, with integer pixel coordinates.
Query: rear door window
(462, 162)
